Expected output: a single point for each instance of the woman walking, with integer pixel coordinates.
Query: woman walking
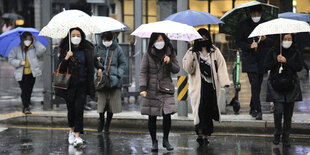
(109, 100)
(283, 86)
(207, 71)
(156, 85)
(24, 58)
(80, 62)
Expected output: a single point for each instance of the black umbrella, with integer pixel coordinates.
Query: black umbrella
(12, 16)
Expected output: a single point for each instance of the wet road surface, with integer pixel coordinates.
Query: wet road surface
(40, 140)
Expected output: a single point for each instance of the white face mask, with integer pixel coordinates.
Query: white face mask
(159, 45)
(107, 43)
(256, 19)
(27, 43)
(75, 40)
(287, 44)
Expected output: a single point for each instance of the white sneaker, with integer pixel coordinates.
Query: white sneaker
(71, 137)
(78, 142)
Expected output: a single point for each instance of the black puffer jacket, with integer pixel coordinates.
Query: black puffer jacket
(252, 61)
(292, 66)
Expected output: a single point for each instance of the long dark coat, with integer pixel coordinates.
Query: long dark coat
(152, 70)
(252, 61)
(88, 48)
(293, 65)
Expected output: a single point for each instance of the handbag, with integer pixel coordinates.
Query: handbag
(103, 82)
(61, 80)
(165, 87)
(283, 82)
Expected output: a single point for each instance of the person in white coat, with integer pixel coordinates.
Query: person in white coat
(24, 58)
(207, 72)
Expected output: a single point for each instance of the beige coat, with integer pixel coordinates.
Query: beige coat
(220, 78)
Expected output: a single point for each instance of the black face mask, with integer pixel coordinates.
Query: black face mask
(205, 43)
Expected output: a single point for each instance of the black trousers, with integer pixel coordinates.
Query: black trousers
(166, 126)
(286, 110)
(26, 85)
(256, 80)
(208, 109)
(76, 100)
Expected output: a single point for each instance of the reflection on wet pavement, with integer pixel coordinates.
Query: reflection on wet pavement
(33, 141)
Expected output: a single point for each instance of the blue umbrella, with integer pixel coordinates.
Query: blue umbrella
(296, 16)
(194, 18)
(11, 39)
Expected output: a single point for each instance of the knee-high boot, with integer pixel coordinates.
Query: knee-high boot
(101, 122)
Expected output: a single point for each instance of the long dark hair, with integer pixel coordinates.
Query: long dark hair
(197, 45)
(23, 37)
(153, 39)
(83, 44)
(278, 45)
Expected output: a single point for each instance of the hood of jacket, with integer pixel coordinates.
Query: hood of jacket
(112, 47)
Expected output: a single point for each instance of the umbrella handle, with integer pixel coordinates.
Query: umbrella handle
(69, 40)
(280, 69)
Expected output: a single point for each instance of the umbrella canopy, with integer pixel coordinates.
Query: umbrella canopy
(12, 16)
(296, 16)
(104, 24)
(194, 18)
(174, 30)
(60, 24)
(241, 12)
(11, 39)
(280, 26)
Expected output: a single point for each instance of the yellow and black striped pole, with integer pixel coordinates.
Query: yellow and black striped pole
(182, 88)
(182, 95)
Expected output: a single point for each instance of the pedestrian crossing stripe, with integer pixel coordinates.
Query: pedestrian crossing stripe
(182, 88)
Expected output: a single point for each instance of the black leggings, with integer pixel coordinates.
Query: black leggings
(166, 126)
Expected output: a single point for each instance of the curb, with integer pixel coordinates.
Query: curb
(135, 122)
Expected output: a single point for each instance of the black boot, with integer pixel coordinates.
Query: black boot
(206, 141)
(286, 139)
(101, 122)
(259, 116)
(154, 146)
(167, 145)
(253, 113)
(278, 127)
(276, 139)
(200, 140)
(107, 125)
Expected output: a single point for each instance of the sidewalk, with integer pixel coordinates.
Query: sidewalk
(134, 120)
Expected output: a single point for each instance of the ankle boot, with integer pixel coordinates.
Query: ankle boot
(276, 139)
(286, 139)
(167, 145)
(200, 140)
(154, 146)
(278, 127)
(101, 122)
